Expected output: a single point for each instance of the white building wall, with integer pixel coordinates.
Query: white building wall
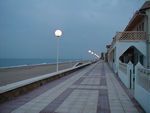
(124, 78)
(148, 34)
(121, 47)
(141, 95)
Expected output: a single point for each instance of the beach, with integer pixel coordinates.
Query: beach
(15, 74)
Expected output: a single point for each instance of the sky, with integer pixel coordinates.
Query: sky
(27, 26)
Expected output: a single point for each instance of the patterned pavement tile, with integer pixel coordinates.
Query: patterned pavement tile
(79, 101)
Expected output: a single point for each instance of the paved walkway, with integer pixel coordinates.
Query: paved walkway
(93, 89)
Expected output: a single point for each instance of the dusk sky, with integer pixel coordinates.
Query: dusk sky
(27, 26)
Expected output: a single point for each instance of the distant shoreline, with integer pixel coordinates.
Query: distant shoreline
(15, 74)
(13, 63)
(25, 65)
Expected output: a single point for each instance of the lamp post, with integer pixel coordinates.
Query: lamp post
(58, 33)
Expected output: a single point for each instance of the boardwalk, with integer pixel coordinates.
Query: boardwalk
(93, 89)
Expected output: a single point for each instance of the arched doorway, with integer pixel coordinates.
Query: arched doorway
(132, 54)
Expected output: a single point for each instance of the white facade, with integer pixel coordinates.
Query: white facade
(121, 47)
(131, 48)
(142, 86)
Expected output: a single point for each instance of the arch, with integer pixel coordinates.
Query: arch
(132, 54)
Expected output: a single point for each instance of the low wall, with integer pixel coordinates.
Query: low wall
(10, 91)
(125, 73)
(124, 78)
(142, 87)
(122, 73)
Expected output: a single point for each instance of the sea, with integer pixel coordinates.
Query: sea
(5, 63)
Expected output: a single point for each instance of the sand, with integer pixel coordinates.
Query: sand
(11, 75)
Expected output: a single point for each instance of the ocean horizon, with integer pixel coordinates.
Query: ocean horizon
(6, 63)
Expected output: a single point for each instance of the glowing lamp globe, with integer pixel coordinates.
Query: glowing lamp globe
(58, 33)
(89, 51)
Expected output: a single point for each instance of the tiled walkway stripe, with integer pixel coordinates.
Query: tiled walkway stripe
(103, 102)
(58, 101)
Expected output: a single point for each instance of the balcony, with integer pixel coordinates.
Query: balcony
(129, 36)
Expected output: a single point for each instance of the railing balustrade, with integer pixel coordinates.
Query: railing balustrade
(129, 36)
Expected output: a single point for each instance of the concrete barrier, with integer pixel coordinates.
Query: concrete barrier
(10, 91)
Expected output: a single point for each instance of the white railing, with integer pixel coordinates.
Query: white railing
(123, 67)
(131, 36)
(143, 78)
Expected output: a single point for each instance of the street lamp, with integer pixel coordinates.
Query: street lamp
(89, 51)
(58, 33)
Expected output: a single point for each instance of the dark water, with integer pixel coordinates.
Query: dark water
(21, 62)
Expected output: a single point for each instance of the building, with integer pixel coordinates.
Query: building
(129, 55)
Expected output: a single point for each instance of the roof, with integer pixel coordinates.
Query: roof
(137, 17)
(145, 6)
